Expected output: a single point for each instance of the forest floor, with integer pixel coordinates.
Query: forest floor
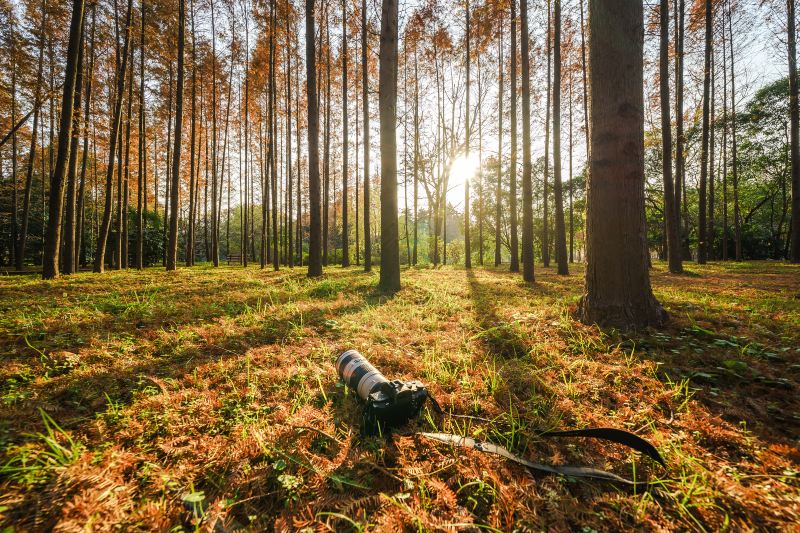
(208, 397)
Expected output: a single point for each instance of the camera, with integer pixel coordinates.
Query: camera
(389, 404)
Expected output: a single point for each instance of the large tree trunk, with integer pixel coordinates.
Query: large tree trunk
(795, 135)
(315, 231)
(527, 185)
(102, 237)
(670, 207)
(172, 250)
(512, 175)
(702, 236)
(387, 87)
(52, 240)
(618, 292)
(26, 195)
(365, 111)
(558, 196)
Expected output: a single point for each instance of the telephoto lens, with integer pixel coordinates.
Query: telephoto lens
(359, 374)
(388, 403)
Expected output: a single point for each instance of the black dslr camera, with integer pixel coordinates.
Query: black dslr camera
(388, 403)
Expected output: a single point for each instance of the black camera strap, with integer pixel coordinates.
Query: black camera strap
(619, 436)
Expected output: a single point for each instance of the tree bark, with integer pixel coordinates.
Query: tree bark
(172, 250)
(365, 110)
(52, 238)
(702, 236)
(514, 263)
(192, 140)
(387, 86)
(545, 181)
(26, 195)
(670, 207)
(737, 223)
(558, 198)
(467, 113)
(618, 292)
(80, 246)
(794, 134)
(68, 257)
(345, 147)
(498, 196)
(527, 185)
(326, 154)
(315, 231)
(679, 137)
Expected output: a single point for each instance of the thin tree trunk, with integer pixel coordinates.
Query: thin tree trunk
(618, 291)
(467, 113)
(561, 237)
(795, 135)
(712, 161)
(498, 197)
(68, 257)
(514, 264)
(272, 141)
(679, 137)
(737, 224)
(586, 85)
(141, 194)
(345, 225)
(13, 60)
(315, 235)
(724, 144)
(416, 154)
(192, 139)
(571, 219)
(387, 84)
(326, 155)
(365, 110)
(548, 108)
(527, 186)
(80, 242)
(670, 206)
(172, 251)
(702, 236)
(124, 250)
(102, 238)
(26, 197)
(214, 141)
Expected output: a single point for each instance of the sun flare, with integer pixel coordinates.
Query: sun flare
(464, 168)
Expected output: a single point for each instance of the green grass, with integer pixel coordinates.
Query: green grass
(153, 400)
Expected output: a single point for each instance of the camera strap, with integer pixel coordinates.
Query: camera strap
(619, 436)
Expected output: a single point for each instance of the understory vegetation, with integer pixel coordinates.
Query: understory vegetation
(208, 398)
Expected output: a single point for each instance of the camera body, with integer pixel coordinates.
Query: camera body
(388, 403)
